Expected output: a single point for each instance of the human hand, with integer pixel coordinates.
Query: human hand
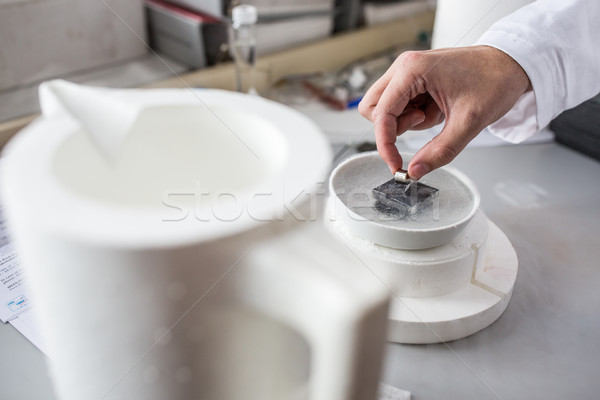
(470, 87)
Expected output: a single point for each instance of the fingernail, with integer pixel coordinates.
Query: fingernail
(419, 170)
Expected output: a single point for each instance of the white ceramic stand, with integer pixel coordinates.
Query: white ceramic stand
(445, 293)
(463, 312)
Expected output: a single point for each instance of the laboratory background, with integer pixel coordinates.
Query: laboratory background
(193, 207)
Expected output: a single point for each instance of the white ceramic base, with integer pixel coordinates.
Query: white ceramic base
(461, 313)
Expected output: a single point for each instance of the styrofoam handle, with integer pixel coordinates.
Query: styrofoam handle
(328, 316)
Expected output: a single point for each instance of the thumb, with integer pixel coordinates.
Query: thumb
(443, 148)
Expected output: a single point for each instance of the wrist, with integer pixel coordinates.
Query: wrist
(510, 68)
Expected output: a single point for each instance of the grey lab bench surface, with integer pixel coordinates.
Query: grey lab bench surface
(545, 346)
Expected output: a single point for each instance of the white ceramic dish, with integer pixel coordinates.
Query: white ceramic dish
(354, 179)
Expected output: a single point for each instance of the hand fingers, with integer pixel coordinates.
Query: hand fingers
(429, 111)
(406, 83)
(443, 148)
(370, 99)
(385, 137)
(409, 118)
(390, 106)
(433, 116)
(385, 125)
(394, 98)
(387, 129)
(386, 101)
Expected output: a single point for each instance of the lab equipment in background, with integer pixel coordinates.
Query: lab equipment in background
(242, 45)
(279, 32)
(347, 15)
(216, 8)
(321, 87)
(327, 89)
(192, 35)
(451, 270)
(340, 89)
(179, 33)
(222, 8)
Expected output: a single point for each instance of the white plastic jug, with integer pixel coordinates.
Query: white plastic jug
(183, 267)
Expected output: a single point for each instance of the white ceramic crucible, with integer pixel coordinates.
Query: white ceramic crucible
(351, 187)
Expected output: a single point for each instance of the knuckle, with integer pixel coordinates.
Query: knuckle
(414, 67)
(410, 57)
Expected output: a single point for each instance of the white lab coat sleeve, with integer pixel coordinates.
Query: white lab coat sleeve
(557, 42)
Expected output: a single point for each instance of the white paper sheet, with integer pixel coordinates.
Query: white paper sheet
(15, 306)
(26, 324)
(14, 299)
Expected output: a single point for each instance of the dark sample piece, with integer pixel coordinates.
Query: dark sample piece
(404, 198)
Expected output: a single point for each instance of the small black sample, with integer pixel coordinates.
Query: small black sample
(403, 198)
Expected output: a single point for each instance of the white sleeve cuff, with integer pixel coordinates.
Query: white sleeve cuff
(533, 110)
(519, 123)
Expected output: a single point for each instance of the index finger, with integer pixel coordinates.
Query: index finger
(390, 106)
(385, 137)
(371, 98)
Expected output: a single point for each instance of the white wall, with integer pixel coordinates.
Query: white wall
(462, 22)
(41, 39)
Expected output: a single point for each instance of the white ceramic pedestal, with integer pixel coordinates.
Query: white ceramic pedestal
(465, 311)
(444, 293)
